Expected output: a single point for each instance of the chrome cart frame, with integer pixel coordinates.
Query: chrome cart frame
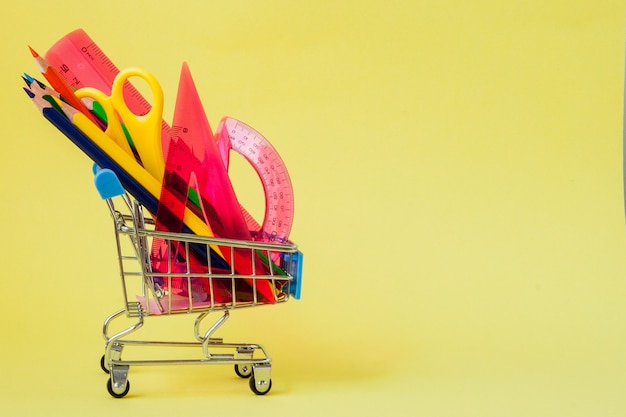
(182, 286)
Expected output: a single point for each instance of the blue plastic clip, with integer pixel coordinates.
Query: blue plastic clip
(107, 183)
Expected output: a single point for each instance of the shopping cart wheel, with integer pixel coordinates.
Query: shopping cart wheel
(260, 388)
(116, 393)
(103, 366)
(244, 371)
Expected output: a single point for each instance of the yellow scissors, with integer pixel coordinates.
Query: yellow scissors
(144, 130)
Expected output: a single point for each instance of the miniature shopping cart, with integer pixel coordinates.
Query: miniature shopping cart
(190, 279)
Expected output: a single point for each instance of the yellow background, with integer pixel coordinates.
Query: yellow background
(458, 177)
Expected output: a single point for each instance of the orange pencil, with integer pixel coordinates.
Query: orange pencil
(61, 86)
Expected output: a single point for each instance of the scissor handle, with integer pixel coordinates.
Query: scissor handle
(145, 130)
(114, 128)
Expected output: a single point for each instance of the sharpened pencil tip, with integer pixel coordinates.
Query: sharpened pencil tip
(30, 93)
(28, 77)
(32, 51)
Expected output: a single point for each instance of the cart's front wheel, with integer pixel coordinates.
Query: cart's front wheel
(103, 365)
(117, 393)
(244, 371)
(260, 388)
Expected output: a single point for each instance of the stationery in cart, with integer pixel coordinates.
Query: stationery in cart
(198, 249)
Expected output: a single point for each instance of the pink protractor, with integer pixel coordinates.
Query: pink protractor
(259, 152)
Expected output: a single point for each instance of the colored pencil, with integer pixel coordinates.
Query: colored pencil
(38, 99)
(92, 106)
(61, 86)
(112, 149)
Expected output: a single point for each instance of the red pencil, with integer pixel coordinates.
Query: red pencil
(61, 86)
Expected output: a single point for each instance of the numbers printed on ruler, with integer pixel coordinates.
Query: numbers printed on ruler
(83, 64)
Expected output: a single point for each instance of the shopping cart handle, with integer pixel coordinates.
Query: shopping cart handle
(107, 183)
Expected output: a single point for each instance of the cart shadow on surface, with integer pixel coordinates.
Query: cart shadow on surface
(313, 367)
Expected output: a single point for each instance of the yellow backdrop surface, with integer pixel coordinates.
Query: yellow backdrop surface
(458, 178)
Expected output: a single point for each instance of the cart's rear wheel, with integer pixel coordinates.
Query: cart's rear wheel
(244, 370)
(103, 366)
(260, 389)
(117, 394)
